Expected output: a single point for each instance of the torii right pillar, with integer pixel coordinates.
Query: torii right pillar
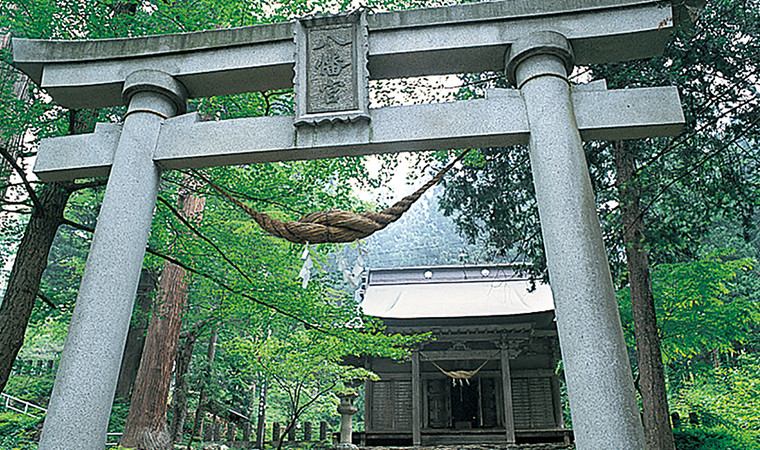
(599, 382)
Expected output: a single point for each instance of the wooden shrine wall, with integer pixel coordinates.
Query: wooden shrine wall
(391, 407)
(390, 404)
(533, 403)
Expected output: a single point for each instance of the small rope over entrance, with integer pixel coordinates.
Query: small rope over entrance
(335, 225)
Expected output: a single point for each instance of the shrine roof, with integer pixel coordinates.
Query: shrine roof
(453, 291)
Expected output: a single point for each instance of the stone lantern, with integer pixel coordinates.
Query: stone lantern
(346, 410)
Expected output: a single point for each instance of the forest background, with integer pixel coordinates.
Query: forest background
(222, 316)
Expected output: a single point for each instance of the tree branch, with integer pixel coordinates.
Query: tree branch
(7, 156)
(694, 166)
(204, 238)
(677, 141)
(10, 185)
(203, 178)
(46, 299)
(218, 282)
(15, 211)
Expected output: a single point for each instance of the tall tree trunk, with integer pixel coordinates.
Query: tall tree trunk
(654, 398)
(31, 257)
(203, 397)
(145, 427)
(24, 280)
(130, 361)
(179, 398)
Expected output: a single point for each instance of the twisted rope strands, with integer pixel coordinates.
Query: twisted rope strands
(460, 374)
(334, 225)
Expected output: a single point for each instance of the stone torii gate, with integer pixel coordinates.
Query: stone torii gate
(537, 44)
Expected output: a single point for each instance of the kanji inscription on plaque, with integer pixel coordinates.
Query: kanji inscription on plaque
(331, 69)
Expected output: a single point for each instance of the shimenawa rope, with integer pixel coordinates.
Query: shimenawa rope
(459, 375)
(334, 225)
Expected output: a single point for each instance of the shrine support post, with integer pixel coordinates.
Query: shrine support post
(416, 399)
(84, 388)
(506, 383)
(599, 382)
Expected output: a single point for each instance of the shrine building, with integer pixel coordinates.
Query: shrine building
(489, 374)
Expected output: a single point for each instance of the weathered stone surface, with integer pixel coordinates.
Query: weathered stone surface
(598, 374)
(331, 70)
(498, 120)
(85, 384)
(456, 39)
(346, 409)
(331, 82)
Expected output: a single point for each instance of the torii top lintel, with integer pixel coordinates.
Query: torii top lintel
(454, 39)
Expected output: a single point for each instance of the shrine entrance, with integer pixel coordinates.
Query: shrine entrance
(465, 405)
(535, 44)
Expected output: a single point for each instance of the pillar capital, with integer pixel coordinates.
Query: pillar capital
(547, 43)
(157, 82)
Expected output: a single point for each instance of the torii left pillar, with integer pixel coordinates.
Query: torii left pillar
(86, 382)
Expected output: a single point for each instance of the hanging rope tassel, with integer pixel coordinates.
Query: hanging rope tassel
(334, 225)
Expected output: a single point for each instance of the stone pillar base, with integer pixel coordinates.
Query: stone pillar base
(345, 446)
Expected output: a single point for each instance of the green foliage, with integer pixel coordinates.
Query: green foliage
(712, 439)
(726, 400)
(17, 430)
(11, 230)
(34, 389)
(699, 307)
(118, 416)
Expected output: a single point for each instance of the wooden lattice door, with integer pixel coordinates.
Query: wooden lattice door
(438, 403)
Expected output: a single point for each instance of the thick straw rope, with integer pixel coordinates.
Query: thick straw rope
(335, 225)
(460, 374)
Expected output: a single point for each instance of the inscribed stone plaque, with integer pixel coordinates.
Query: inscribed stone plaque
(331, 69)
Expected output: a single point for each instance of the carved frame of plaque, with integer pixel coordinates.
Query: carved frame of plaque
(331, 76)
